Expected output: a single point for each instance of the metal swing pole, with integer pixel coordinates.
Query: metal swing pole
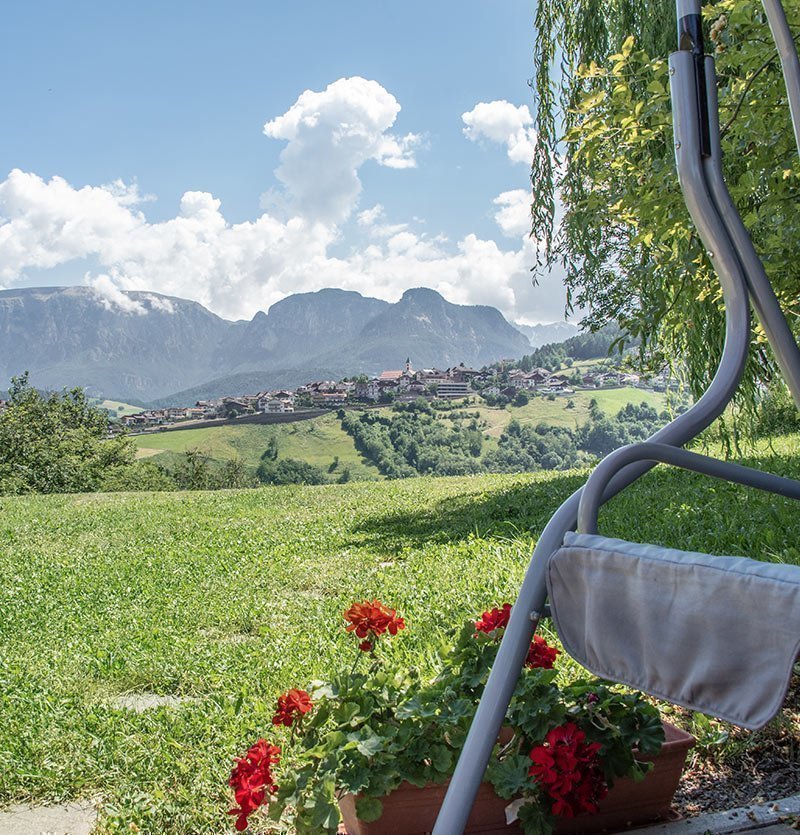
(692, 147)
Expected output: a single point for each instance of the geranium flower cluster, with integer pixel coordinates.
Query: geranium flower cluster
(251, 777)
(292, 705)
(371, 619)
(251, 780)
(568, 770)
(540, 654)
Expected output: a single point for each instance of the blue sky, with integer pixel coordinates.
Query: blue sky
(369, 182)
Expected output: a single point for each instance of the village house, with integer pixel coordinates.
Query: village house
(143, 420)
(429, 374)
(275, 406)
(390, 376)
(322, 386)
(265, 398)
(235, 406)
(328, 399)
(537, 377)
(209, 407)
(451, 390)
(368, 390)
(462, 374)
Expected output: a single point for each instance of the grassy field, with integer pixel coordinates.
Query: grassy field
(224, 599)
(542, 410)
(118, 407)
(317, 441)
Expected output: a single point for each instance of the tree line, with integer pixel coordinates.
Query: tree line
(415, 441)
(60, 443)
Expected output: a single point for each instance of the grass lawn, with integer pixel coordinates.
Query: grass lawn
(227, 598)
(316, 441)
(542, 410)
(319, 440)
(118, 407)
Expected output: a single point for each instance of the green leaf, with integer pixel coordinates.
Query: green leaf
(367, 742)
(441, 758)
(368, 809)
(347, 713)
(534, 819)
(509, 776)
(651, 735)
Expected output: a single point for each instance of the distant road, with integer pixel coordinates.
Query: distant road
(261, 417)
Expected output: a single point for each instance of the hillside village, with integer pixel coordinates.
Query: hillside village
(499, 383)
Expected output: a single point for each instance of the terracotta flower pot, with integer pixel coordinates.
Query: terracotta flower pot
(410, 810)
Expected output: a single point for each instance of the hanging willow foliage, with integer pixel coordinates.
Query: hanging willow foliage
(605, 151)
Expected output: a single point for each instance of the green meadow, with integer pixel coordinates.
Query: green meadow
(224, 599)
(320, 440)
(317, 441)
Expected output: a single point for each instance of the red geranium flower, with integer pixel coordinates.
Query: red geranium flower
(493, 619)
(251, 780)
(568, 770)
(292, 704)
(541, 654)
(371, 620)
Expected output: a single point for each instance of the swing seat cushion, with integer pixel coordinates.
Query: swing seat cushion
(719, 635)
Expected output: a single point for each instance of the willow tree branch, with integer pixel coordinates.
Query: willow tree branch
(746, 90)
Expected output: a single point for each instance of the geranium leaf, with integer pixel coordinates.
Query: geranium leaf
(534, 819)
(441, 758)
(368, 743)
(368, 809)
(346, 713)
(651, 735)
(509, 776)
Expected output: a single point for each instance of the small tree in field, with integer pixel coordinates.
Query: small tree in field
(56, 443)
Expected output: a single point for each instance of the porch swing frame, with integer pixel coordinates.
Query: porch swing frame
(744, 282)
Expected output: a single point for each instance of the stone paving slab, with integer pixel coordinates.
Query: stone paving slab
(772, 817)
(139, 702)
(66, 819)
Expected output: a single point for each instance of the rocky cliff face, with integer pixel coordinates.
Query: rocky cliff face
(155, 345)
(433, 332)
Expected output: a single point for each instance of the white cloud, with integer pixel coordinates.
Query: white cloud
(373, 221)
(505, 124)
(514, 214)
(330, 135)
(47, 224)
(161, 303)
(238, 268)
(111, 296)
(127, 194)
(369, 217)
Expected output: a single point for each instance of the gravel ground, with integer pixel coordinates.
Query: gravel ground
(743, 767)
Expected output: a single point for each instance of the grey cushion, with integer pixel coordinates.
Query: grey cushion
(715, 634)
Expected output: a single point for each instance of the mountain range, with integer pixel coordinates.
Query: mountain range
(145, 347)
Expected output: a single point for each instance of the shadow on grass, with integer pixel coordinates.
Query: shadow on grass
(667, 507)
(518, 511)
